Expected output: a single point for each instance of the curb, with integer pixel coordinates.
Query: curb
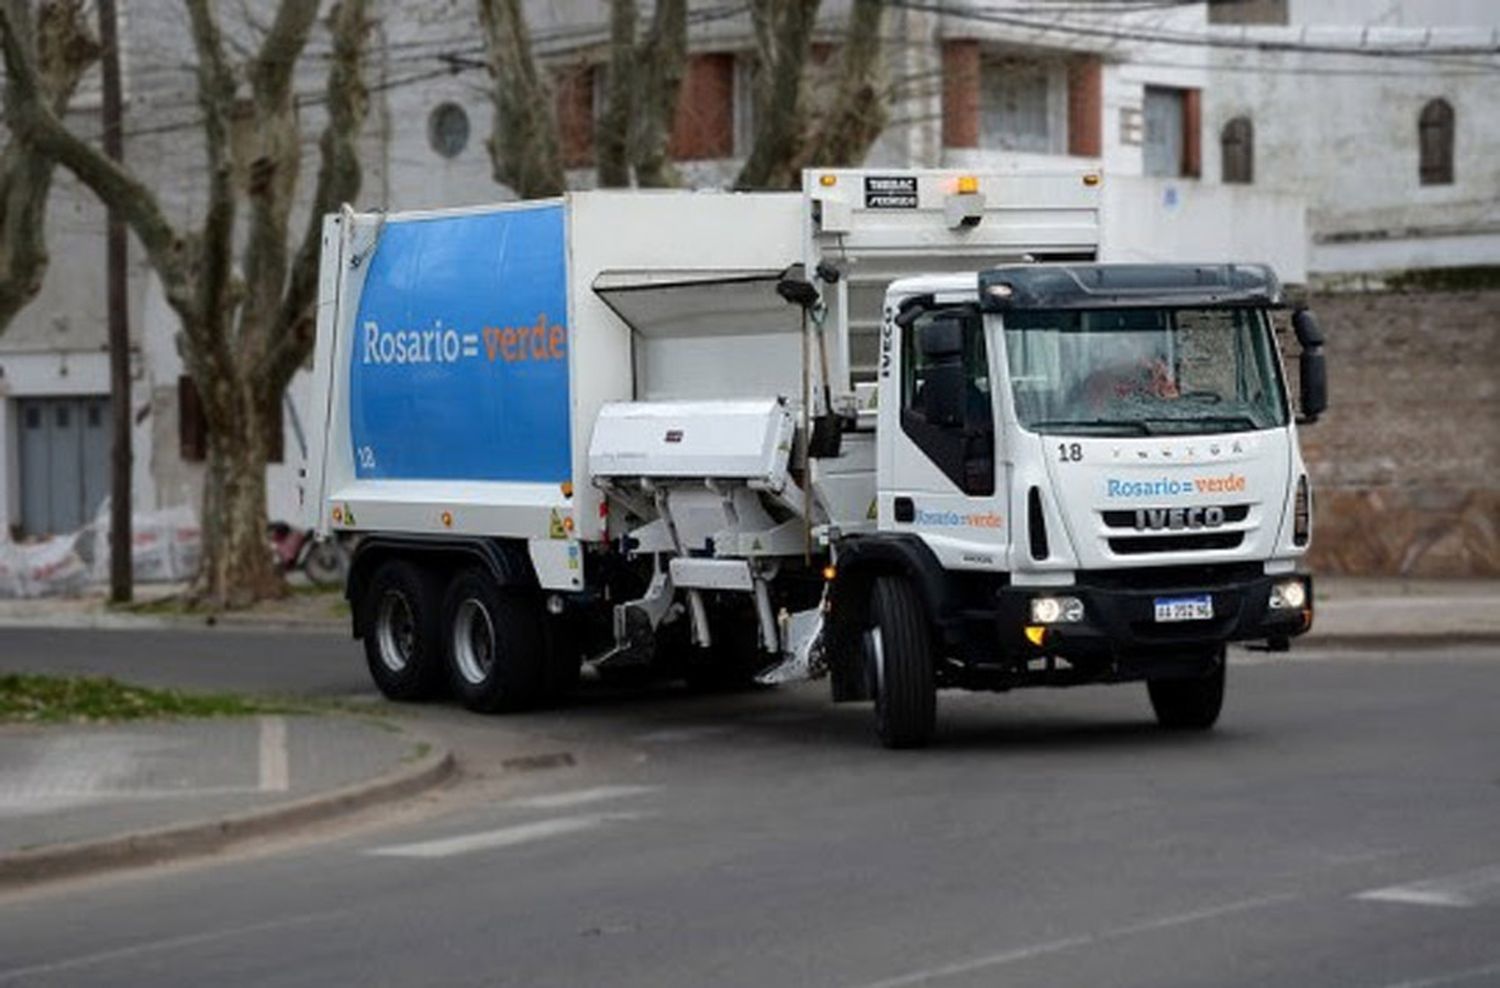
(1421, 639)
(56, 862)
(141, 622)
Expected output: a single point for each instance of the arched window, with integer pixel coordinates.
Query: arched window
(1435, 143)
(1237, 142)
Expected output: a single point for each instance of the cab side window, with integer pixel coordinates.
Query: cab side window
(946, 404)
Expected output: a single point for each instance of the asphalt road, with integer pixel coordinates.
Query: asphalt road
(1342, 827)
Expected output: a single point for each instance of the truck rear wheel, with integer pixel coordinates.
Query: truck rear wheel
(402, 631)
(898, 648)
(1189, 704)
(496, 645)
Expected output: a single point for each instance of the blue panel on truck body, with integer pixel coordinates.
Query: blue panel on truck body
(460, 357)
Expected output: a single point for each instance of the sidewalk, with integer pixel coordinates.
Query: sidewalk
(80, 799)
(1373, 611)
(159, 605)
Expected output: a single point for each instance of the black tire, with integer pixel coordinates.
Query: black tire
(326, 563)
(1189, 704)
(898, 647)
(497, 645)
(400, 622)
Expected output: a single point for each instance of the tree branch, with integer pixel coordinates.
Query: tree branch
(271, 71)
(208, 354)
(272, 147)
(64, 49)
(31, 119)
(339, 179)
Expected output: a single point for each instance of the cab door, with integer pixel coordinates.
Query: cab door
(939, 470)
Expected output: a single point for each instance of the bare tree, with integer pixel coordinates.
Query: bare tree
(788, 134)
(247, 322)
(524, 148)
(62, 47)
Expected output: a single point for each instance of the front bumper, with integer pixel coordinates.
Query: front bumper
(1120, 622)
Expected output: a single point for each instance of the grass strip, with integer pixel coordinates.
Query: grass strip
(29, 699)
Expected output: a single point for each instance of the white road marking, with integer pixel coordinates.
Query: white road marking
(172, 943)
(580, 797)
(504, 837)
(1068, 943)
(275, 770)
(1451, 978)
(1463, 890)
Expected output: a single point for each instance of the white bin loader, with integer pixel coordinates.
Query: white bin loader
(900, 429)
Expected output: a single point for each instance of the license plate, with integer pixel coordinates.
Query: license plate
(1184, 608)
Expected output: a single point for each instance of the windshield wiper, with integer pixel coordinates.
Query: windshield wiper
(1204, 423)
(1108, 427)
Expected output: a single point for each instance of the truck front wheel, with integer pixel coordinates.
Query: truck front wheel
(496, 645)
(1190, 704)
(402, 632)
(898, 650)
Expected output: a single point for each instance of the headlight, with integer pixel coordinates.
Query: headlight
(1056, 610)
(1288, 595)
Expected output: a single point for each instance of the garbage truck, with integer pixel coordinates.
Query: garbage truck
(900, 429)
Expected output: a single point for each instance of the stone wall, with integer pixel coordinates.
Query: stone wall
(1406, 463)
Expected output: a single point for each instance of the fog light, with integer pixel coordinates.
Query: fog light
(1288, 595)
(1056, 610)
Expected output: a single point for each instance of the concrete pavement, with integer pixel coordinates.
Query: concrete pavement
(80, 799)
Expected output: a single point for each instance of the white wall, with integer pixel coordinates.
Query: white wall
(1342, 131)
(1179, 220)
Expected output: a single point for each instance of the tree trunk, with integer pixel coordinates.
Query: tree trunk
(524, 149)
(662, 59)
(783, 38)
(237, 567)
(858, 113)
(612, 134)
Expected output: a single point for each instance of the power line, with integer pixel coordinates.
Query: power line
(1243, 42)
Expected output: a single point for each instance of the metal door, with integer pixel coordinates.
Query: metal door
(1164, 113)
(64, 462)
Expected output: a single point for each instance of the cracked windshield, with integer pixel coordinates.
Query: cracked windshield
(1144, 371)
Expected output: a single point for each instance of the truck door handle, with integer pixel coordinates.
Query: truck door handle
(905, 510)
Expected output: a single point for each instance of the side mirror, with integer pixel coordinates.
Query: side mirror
(942, 340)
(1312, 369)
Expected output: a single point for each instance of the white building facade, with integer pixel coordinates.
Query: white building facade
(1149, 93)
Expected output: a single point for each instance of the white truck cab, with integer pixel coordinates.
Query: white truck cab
(1086, 473)
(899, 429)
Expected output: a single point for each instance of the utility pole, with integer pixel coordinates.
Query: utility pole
(120, 588)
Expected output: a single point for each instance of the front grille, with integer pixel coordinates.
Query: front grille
(1127, 518)
(1136, 545)
(1196, 576)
